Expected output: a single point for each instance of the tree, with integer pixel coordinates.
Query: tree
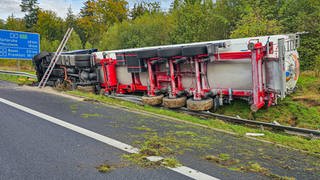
(175, 5)
(30, 7)
(50, 26)
(195, 21)
(109, 12)
(317, 66)
(70, 19)
(147, 30)
(2, 24)
(88, 46)
(16, 24)
(231, 11)
(303, 15)
(97, 16)
(50, 46)
(87, 9)
(74, 42)
(143, 7)
(254, 24)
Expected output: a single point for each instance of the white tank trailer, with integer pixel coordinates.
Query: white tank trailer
(206, 75)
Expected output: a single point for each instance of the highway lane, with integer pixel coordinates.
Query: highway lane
(33, 148)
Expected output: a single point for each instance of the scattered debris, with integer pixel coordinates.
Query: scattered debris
(276, 123)
(254, 134)
(86, 115)
(222, 159)
(154, 158)
(104, 168)
(143, 128)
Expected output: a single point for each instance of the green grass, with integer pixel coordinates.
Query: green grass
(301, 109)
(257, 168)
(171, 162)
(223, 159)
(17, 79)
(142, 128)
(87, 115)
(226, 161)
(104, 168)
(12, 65)
(300, 143)
(167, 145)
(224, 156)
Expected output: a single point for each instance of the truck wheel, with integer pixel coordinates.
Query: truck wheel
(152, 100)
(174, 102)
(41, 55)
(199, 105)
(87, 89)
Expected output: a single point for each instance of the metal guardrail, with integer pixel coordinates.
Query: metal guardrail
(304, 131)
(287, 129)
(18, 73)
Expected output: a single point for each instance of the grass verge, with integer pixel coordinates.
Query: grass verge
(296, 142)
(226, 161)
(301, 109)
(17, 79)
(12, 65)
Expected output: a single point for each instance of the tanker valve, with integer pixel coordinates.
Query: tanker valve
(230, 96)
(221, 98)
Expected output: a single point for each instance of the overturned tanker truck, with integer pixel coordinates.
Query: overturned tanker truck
(200, 76)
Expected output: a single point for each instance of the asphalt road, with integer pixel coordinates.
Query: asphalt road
(33, 148)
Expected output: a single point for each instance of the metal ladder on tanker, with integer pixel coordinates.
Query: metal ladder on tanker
(55, 58)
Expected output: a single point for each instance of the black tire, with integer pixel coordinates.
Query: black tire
(199, 105)
(189, 51)
(152, 100)
(39, 75)
(170, 52)
(146, 54)
(40, 55)
(174, 102)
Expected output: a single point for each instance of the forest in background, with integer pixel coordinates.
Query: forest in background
(111, 24)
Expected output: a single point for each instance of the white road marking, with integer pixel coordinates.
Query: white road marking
(192, 173)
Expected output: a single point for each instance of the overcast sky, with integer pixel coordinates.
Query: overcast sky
(8, 7)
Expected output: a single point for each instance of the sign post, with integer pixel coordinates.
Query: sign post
(18, 45)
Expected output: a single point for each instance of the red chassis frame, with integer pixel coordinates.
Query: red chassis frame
(173, 77)
(110, 82)
(158, 77)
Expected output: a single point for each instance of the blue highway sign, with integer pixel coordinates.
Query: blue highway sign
(18, 45)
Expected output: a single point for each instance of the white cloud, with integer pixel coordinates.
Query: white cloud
(61, 6)
(8, 7)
